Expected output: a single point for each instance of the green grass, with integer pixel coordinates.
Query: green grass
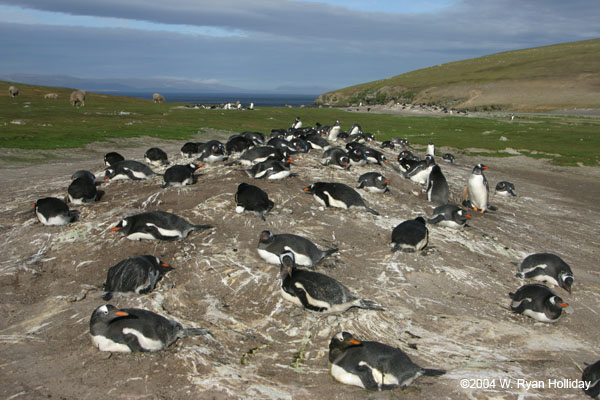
(50, 124)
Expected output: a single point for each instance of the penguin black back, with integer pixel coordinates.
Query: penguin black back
(252, 198)
(411, 235)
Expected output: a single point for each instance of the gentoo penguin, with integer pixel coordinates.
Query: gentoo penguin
(449, 215)
(419, 172)
(180, 175)
(591, 377)
(388, 144)
(538, 302)
(357, 157)
(271, 246)
(211, 151)
(82, 190)
(297, 124)
(237, 144)
(256, 137)
(156, 157)
(137, 274)
(282, 144)
(84, 174)
(317, 142)
(190, 149)
(112, 158)
(372, 365)
(448, 158)
(315, 291)
(300, 145)
(407, 160)
(401, 141)
(334, 132)
(410, 236)
(132, 329)
(478, 190)
(271, 169)
(156, 225)
(252, 198)
(547, 267)
(331, 194)
(128, 169)
(437, 186)
(430, 149)
(373, 156)
(354, 130)
(53, 212)
(261, 153)
(336, 157)
(505, 188)
(373, 182)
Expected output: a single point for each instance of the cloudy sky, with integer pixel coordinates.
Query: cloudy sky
(266, 44)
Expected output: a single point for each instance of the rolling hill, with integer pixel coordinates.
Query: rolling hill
(560, 76)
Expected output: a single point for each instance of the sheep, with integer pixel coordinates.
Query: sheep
(13, 91)
(78, 98)
(52, 96)
(158, 98)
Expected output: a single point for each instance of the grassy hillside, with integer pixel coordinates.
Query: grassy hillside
(31, 122)
(543, 78)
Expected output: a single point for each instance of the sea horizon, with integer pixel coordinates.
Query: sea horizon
(259, 99)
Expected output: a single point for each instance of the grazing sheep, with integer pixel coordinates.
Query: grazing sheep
(77, 98)
(158, 98)
(52, 96)
(13, 91)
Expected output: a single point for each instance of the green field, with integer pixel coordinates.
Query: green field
(31, 122)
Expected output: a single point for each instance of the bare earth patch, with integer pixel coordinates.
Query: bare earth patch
(447, 309)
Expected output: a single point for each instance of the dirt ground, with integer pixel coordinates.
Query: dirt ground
(447, 308)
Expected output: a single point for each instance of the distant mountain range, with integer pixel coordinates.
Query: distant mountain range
(143, 85)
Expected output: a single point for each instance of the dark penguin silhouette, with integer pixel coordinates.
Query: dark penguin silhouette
(82, 173)
(137, 274)
(330, 194)
(82, 190)
(547, 267)
(538, 302)
(336, 157)
(211, 151)
(437, 186)
(271, 246)
(252, 198)
(156, 156)
(448, 158)
(373, 156)
(317, 142)
(190, 149)
(180, 175)
(591, 377)
(256, 137)
(272, 169)
(373, 182)
(505, 188)
(261, 153)
(372, 365)
(449, 215)
(410, 236)
(112, 158)
(51, 211)
(156, 225)
(132, 329)
(128, 169)
(237, 144)
(388, 144)
(419, 171)
(315, 291)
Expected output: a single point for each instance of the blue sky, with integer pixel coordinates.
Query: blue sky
(268, 44)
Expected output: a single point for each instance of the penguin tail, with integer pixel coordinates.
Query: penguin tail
(433, 372)
(520, 275)
(371, 210)
(370, 305)
(74, 215)
(492, 208)
(511, 295)
(330, 252)
(249, 172)
(196, 332)
(202, 226)
(107, 296)
(164, 185)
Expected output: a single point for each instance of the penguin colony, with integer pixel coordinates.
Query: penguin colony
(367, 364)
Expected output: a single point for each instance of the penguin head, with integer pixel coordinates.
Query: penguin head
(342, 341)
(310, 189)
(462, 216)
(266, 237)
(421, 220)
(163, 267)
(123, 225)
(479, 168)
(344, 162)
(557, 303)
(288, 264)
(105, 314)
(109, 173)
(429, 160)
(195, 166)
(565, 281)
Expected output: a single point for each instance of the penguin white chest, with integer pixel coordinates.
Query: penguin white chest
(478, 192)
(105, 344)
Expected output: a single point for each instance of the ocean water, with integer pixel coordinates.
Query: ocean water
(262, 99)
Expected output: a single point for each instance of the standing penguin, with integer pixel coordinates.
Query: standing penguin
(297, 124)
(336, 157)
(478, 190)
(252, 198)
(271, 246)
(315, 291)
(180, 175)
(51, 211)
(410, 236)
(156, 157)
(547, 267)
(538, 302)
(334, 132)
(132, 329)
(430, 149)
(331, 194)
(505, 188)
(449, 215)
(373, 182)
(372, 365)
(591, 377)
(137, 274)
(156, 225)
(437, 186)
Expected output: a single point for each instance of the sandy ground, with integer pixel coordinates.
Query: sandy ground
(447, 308)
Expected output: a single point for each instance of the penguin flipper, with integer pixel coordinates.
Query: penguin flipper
(201, 227)
(301, 295)
(436, 219)
(132, 342)
(371, 210)
(196, 332)
(366, 376)
(433, 372)
(530, 274)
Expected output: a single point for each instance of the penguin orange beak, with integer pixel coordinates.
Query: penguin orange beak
(484, 167)
(121, 313)
(165, 265)
(33, 205)
(199, 165)
(354, 341)
(387, 181)
(467, 216)
(105, 178)
(116, 228)
(306, 189)
(563, 305)
(290, 160)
